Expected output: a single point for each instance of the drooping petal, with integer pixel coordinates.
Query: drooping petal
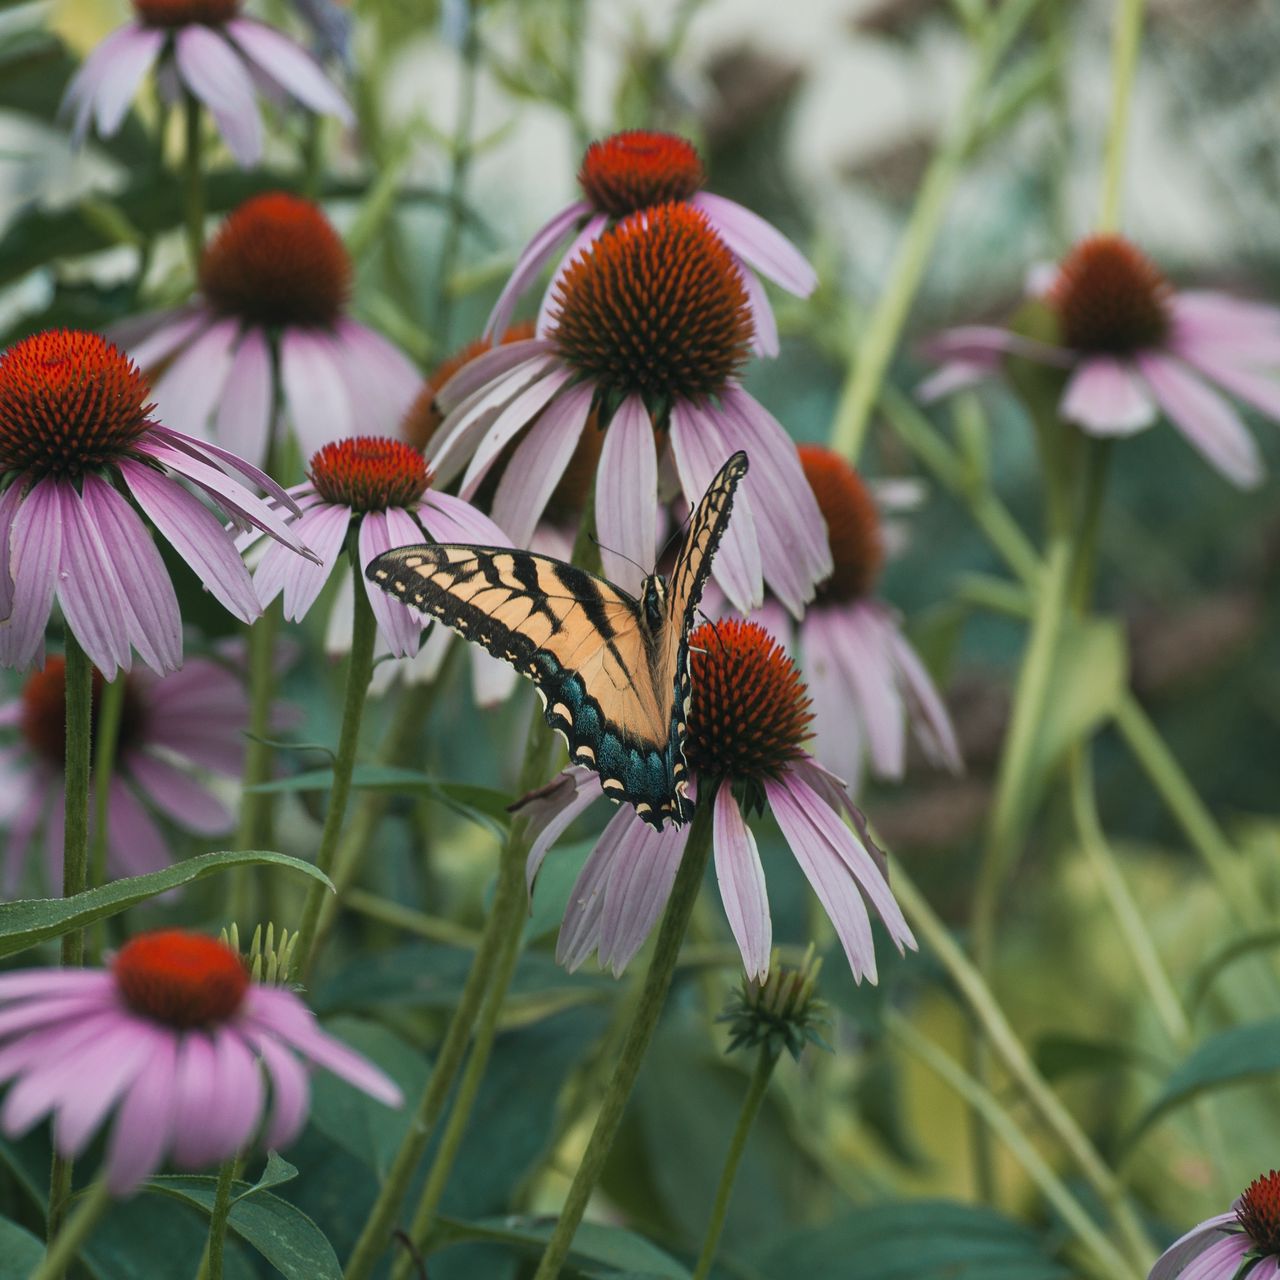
(144, 1123)
(10, 501)
(548, 309)
(552, 810)
(325, 529)
(758, 243)
(290, 66)
(194, 1090)
(1208, 422)
(81, 96)
(450, 519)
(397, 624)
(290, 1089)
(839, 741)
(1171, 1262)
(1253, 386)
(857, 643)
(240, 1091)
(928, 713)
(626, 496)
(742, 888)
(381, 380)
(190, 389)
(135, 844)
(35, 556)
(580, 928)
(117, 1060)
(134, 49)
(244, 411)
(1106, 398)
(314, 390)
(764, 339)
(168, 332)
(492, 367)
(178, 796)
(218, 77)
(215, 455)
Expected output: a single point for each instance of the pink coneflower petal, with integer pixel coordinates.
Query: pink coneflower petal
(135, 842)
(1221, 1260)
(314, 390)
(325, 530)
(178, 795)
(866, 664)
(839, 735)
(244, 412)
(117, 1061)
(291, 67)
(10, 501)
(22, 830)
(31, 1096)
(1251, 328)
(764, 341)
(758, 243)
(535, 255)
(580, 930)
(932, 724)
(240, 1087)
(196, 535)
(217, 76)
(1261, 390)
(195, 1095)
(36, 542)
(1106, 397)
(955, 375)
(169, 332)
(144, 1122)
(538, 462)
(700, 451)
(551, 813)
(1176, 1256)
(379, 532)
(626, 489)
(35, 984)
(47, 1010)
(1208, 422)
(134, 50)
(191, 387)
(80, 97)
(290, 1090)
(381, 380)
(450, 519)
(485, 371)
(742, 889)
(550, 298)
(215, 455)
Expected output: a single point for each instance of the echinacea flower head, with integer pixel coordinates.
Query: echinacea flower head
(651, 328)
(372, 493)
(271, 326)
(1243, 1244)
(209, 49)
(174, 732)
(1134, 348)
(780, 1011)
(81, 456)
(640, 169)
(748, 721)
(195, 1060)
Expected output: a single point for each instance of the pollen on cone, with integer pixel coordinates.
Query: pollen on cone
(181, 979)
(853, 524)
(1258, 1212)
(1110, 297)
(637, 169)
(370, 473)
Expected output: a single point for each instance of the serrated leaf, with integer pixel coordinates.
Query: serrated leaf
(31, 921)
(20, 1251)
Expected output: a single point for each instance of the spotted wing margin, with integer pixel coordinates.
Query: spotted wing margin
(576, 636)
(684, 590)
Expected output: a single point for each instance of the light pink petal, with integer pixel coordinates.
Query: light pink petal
(26, 984)
(35, 557)
(953, 376)
(194, 1095)
(1208, 422)
(700, 451)
(758, 243)
(134, 49)
(857, 642)
(450, 519)
(1171, 1262)
(533, 257)
(1251, 330)
(397, 623)
(1221, 1260)
(552, 810)
(244, 411)
(929, 718)
(189, 390)
(240, 1092)
(381, 380)
(627, 496)
(492, 681)
(538, 462)
(1106, 398)
(167, 332)
(21, 1016)
(290, 66)
(290, 1089)
(179, 796)
(117, 1060)
(213, 454)
(742, 888)
(491, 368)
(839, 740)
(82, 93)
(147, 596)
(764, 338)
(320, 409)
(10, 501)
(985, 345)
(196, 535)
(135, 844)
(580, 929)
(144, 1122)
(794, 549)
(549, 308)
(217, 75)
(1254, 387)
(324, 528)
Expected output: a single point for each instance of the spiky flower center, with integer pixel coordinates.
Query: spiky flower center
(180, 979)
(1259, 1212)
(69, 402)
(43, 719)
(277, 261)
(637, 169)
(1110, 297)
(750, 708)
(656, 306)
(181, 13)
(370, 473)
(853, 524)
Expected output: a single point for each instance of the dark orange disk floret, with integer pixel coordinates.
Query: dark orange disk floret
(69, 401)
(370, 473)
(276, 260)
(181, 13)
(1110, 297)
(637, 169)
(43, 719)
(655, 306)
(180, 979)
(1258, 1212)
(750, 708)
(853, 524)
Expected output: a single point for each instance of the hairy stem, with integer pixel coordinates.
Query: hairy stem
(211, 1263)
(71, 1239)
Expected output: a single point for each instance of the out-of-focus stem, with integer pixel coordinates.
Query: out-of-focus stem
(105, 741)
(193, 181)
(1126, 40)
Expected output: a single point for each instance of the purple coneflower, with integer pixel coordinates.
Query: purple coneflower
(381, 490)
(1243, 1244)
(178, 1042)
(1135, 348)
(207, 49)
(749, 715)
(191, 720)
(271, 327)
(636, 170)
(76, 444)
(650, 330)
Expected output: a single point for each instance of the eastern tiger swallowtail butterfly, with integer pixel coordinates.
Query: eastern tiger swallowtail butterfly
(612, 671)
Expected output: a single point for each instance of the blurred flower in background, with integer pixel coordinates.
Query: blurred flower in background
(171, 730)
(207, 49)
(1135, 348)
(1243, 1244)
(271, 326)
(637, 170)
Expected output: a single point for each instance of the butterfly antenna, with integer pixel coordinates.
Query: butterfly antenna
(715, 628)
(622, 554)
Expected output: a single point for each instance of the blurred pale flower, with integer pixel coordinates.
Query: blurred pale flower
(1243, 1244)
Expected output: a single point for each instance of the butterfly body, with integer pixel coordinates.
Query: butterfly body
(612, 670)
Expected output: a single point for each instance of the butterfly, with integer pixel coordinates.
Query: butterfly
(612, 670)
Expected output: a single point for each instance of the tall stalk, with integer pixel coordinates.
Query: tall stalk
(193, 181)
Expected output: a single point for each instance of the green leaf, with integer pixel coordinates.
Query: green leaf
(20, 1251)
(278, 1230)
(1234, 1056)
(592, 1245)
(31, 921)
(277, 1172)
(1237, 948)
(1059, 1056)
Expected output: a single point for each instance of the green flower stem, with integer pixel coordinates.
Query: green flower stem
(1008, 1049)
(193, 181)
(1110, 1261)
(406, 919)
(66, 1248)
(653, 996)
(877, 341)
(751, 1103)
(1126, 39)
(211, 1264)
(105, 743)
(505, 915)
(364, 630)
